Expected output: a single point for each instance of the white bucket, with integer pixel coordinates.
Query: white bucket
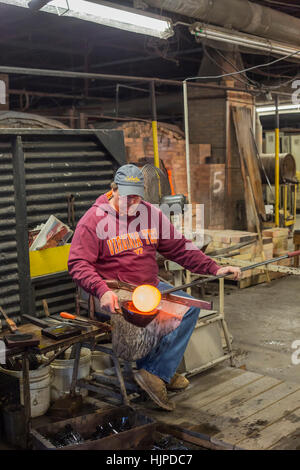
(62, 372)
(39, 384)
(100, 361)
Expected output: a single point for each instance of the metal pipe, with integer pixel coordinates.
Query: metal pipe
(221, 296)
(242, 15)
(101, 76)
(187, 141)
(277, 144)
(154, 124)
(245, 40)
(200, 281)
(54, 95)
(126, 78)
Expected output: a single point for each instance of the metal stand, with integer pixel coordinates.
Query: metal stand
(206, 335)
(105, 385)
(26, 396)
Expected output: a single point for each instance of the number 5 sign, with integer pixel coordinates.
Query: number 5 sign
(218, 183)
(217, 195)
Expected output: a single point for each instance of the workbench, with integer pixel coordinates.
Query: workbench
(47, 345)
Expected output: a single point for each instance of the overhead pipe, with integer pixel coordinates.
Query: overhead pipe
(246, 41)
(241, 15)
(53, 95)
(124, 78)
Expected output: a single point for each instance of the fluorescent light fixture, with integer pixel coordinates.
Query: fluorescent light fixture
(285, 108)
(107, 14)
(241, 39)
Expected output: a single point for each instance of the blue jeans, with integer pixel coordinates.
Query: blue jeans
(166, 357)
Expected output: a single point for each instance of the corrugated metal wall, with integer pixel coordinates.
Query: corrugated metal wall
(55, 166)
(9, 284)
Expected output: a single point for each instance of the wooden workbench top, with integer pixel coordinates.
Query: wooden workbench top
(49, 344)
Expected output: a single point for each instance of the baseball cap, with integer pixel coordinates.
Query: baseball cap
(130, 180)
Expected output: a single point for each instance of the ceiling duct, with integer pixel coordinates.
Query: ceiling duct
(240, 15)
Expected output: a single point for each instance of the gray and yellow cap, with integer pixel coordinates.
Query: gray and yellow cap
(130, 181)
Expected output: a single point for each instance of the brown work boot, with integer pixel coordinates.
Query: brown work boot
(155, 388)
(178, 382)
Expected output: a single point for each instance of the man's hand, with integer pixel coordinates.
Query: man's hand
(230, 270)
(109, 302)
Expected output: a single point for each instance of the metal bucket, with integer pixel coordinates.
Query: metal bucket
(39, 384)
(62, 371)
(14, 425)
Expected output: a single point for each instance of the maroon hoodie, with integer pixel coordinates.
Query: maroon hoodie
(106, 245)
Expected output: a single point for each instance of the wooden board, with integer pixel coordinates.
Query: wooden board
(243, 124)
(269, 436)
(261, 401)
(254, 424)
(240, 410)
(212, 394)
(240, 396)
(257, 279)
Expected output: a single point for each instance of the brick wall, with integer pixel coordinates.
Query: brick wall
(171, 148)
(215, 169)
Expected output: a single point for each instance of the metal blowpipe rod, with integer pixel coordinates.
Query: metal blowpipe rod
(199, 281)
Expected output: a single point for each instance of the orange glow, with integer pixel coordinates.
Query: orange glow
(131, 308)
(146, 298)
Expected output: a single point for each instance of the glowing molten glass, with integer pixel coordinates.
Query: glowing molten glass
(146, 298)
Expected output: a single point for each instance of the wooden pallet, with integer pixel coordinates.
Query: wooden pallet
(238, 409)
(254, 280)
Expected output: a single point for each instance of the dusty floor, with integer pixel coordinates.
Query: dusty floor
(265, 321)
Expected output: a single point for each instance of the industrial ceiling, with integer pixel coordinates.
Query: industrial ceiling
(41, 40)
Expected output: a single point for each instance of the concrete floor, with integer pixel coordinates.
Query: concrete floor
(264, 321)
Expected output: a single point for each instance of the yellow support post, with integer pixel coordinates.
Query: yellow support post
(277, 165)
(295, 202)
(154, 125)
(155, 144)
(285, 203)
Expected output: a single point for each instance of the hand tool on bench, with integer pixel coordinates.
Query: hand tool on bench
(50, 321)
(57, 331)
(17, 339)
(82, 320)
(46, 309)
(84, 326)
(141, 292)
(39, 321)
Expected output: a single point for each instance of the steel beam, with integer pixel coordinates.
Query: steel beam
(26, 292)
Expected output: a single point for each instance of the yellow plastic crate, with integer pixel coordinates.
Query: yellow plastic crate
(49, 261)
